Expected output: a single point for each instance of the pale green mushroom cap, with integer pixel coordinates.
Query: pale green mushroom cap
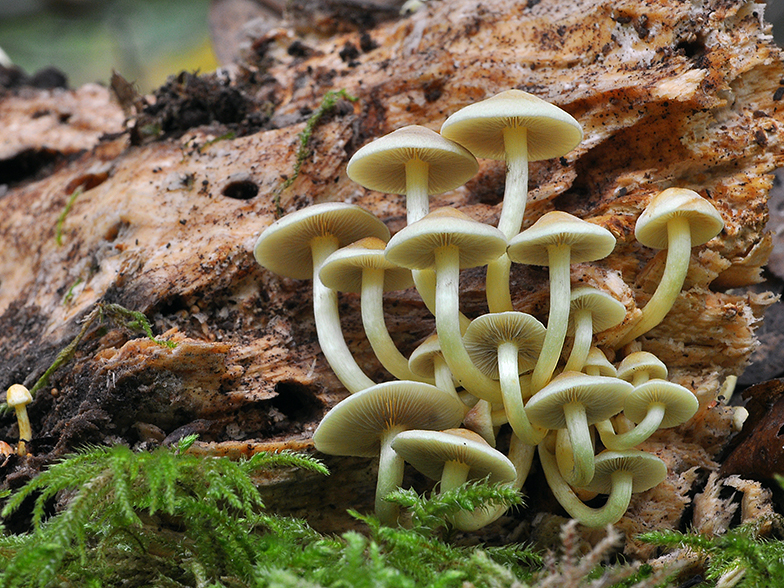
(601, 396)
(342, 270)
(414, 246)
(641, 361)
(598, 360)
(355, 425)
(705, 222)
(487, 332)
(551, 131)
(284, 247)
(647, 470)
(428, 451)
(606, 311)
(381, 164)
(422, 359)
(587, 241)
(679, 401)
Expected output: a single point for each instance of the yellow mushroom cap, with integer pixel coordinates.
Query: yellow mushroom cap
(342, 270)
(381, 164)
(606, 311)
(421, 362)
(647, 470)
(18, 395)
(705, 222)
(414, 246)
(641, 361)
(487, 332)
(284, 247)
(587, 241)
(601, 396)
(428, 451)
(551, 131)
(597, 359)
(680, 404)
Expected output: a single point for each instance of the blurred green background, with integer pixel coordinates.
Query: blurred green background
(144, 40)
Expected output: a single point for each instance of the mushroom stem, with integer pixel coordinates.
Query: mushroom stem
(611, 512)
(425, 282)
(372, 304)
(499, 297)
(513, 396)
(557, 321)
(582, 444)
(583, 336)
(443, 377)
(454, 474)
(417, 199)
(644, 429)
(448, 328)
(25, 430)
(330, 335)
(390, 477)
(675, 269)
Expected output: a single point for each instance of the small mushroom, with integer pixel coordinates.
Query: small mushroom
(618, 473)
(557, 240)
(676, 219)
(591, 311)
(362, 267)
(574, 401)
(18, 397)
(428, 363)
(503, 345)
(366, 423)
(516, 127)
(597, 364)
(296, 246)
(641, 366)
(448, 240)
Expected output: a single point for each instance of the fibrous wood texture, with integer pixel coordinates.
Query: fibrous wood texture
(668, 93)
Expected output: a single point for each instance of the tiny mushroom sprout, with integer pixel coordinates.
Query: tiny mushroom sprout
(417, 162)
(676, 219)
(366, 423)
(503, 345)
(362, 267)
(447, 240)
(655, 404)
(618, 473)
(18, 397)
(515, 127)
(592, 311)
(557, 240)
(296, 246)
(574, 401)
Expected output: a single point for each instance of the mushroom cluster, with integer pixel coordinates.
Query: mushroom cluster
(551, 384)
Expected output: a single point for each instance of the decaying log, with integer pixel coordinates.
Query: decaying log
(668, 93)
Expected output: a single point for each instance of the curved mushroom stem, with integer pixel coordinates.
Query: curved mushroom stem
(557, 321)
(372, 305)
(513, 396)
(330, 335)
(443, 377)
(499, 297)
(454, 474)
(644, 429)
(448, 328)
(583, 336)
(521, 455)
(611, 512)
(425, 283)
(675, 269)
(582, 444)
(390, 477)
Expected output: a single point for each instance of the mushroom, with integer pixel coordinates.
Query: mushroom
(591, 311)
(641, 366)
(676, 219)
(362, 267)
(448, 240)
(296, 246)
(618, 473)
(574, 401)
(417, 162)
(557, 240)
(516, 127)
(366, 423)
(18, 397)
(428, 363)
(597, 364)
(655, 404)
(503, 345)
